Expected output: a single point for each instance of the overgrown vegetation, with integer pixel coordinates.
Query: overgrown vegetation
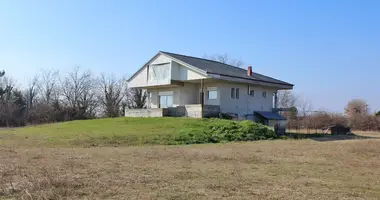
(54, 97)
(135, 131)
(357, 114)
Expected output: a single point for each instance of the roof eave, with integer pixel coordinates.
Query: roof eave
(248, 80)
(141, 68)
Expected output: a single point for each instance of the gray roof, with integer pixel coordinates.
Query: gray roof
(215, 67)
(270, 115)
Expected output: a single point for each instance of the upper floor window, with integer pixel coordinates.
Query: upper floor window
(265, 94)
(252, 93)
(233, 93)
(159, 71)
(212, 93)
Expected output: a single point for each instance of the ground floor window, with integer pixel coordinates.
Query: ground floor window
(166, 101)
(212, 93)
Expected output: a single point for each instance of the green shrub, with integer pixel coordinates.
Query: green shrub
(219, 130)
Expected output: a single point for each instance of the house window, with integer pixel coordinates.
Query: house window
(233, 93)
(252, 93)
(212, 94)
(158, 72)
(237, 93)
(166, 101)
(265, 94)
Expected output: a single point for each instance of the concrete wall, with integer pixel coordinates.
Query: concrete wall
(196, 111)
(246, 104)
(139, 79)
(181, 73)
(189, 94)
(188, 74)
(157, 112)
(193, 111)
(176, 71)
(161, 59)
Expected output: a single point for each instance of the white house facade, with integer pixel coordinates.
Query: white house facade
(179, 81)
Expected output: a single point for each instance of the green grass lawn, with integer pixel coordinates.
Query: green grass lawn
(133, 131)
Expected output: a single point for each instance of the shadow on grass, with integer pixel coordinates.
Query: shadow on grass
(323, 137)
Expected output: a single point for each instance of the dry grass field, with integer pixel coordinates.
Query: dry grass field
(280, 169)
(332, 168)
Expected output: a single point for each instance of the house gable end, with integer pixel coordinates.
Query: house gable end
(179, 71)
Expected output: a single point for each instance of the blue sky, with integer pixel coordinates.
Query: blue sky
(330, 50)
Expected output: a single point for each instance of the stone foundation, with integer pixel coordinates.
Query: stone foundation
(153, 112)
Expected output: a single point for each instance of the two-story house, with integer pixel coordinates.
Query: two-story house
(186, 83)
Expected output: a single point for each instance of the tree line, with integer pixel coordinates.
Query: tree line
(356, 114)
(51, 96)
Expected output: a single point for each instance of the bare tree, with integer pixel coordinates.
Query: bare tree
(79, 93)
(32, 91)
(224, 58)
(357, 107)
(286, 99)
(304, 106)
(47, 86)
(111, 94)
(30, 95)
(357, 111)
(136, 98)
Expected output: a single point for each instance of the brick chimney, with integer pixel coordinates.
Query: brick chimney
(249, 71)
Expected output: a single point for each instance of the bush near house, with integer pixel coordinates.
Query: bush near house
(135, 131)
(217, 130)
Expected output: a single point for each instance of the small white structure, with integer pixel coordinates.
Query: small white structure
(190, 83)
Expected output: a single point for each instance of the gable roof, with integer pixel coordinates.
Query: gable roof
(218, 68)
